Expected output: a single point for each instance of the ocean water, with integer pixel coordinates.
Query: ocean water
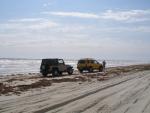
(21, 66)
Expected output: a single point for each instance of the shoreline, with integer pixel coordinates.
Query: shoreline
(18, 83)
(22, 66)
(34, 72)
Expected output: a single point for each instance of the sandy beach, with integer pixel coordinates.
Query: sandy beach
(96, 50)
(123, 89)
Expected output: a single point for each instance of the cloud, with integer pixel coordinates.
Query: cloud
(116, 15)
(72, 39)
(48, 3)
(28, 23)
(129, 15)
(74, 14)
(27, 20)
(131, 29)
(43, 25)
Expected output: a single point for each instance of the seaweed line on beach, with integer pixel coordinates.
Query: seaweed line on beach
(44, 82)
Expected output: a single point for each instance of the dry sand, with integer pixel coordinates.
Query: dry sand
(119, 90)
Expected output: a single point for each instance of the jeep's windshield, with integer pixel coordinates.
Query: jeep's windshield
(96, 62)
(81, 62)
(60, 61)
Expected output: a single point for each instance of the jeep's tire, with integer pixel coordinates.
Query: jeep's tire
(80, 70)
(55, 72)
(70, 71)
(90, 69)
(44, 74)
(60, 73)
(100, 69)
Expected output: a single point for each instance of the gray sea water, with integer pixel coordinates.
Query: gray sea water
(21, 66)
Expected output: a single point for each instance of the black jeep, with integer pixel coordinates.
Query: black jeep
(54, 66)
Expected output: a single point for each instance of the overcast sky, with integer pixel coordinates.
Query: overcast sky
(103, 29)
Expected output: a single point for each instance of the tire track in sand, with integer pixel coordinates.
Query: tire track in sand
(82, 96)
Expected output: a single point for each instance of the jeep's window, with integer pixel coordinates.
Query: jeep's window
(60, 61)
(95, 62)
(81, 61)
(90, 61)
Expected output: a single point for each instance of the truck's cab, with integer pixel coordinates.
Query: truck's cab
(89, 64)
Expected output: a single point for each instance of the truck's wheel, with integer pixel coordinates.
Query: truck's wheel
(90, 70)
(70, 71)
(81, 71)
(60, 73)
(44, 74)
(100, 69)
(55, 72)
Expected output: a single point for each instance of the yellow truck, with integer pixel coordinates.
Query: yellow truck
(89, 64)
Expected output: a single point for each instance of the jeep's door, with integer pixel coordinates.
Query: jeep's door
(96, 64)
(82, 64)
(61, 65)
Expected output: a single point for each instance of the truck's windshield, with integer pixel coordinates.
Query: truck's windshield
(60, 61)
